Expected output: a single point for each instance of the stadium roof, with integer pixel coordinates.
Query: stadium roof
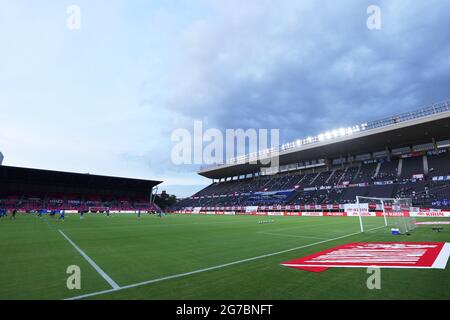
(17, 177)
(413, 128)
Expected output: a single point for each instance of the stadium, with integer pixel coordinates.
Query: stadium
(223, 158)
(248, 231)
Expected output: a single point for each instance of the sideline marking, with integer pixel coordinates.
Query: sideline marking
(441, 260)
(108, 279)
(212, 268)
(291, 235)
(301, 226)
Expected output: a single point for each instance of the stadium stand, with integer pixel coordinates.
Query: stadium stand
(32, 189)
(339, 175)
(438, 165)
(387, 171)
(409, 166)
(322, 187)
(321, 178)
(366, 173)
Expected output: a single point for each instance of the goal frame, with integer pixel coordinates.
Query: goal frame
(382, 200)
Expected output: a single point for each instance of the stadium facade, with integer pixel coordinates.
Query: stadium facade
(402, 156)
(30, 190)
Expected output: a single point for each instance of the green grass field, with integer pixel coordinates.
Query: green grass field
(34, 257)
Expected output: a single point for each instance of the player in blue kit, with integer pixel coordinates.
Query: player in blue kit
(62, 216)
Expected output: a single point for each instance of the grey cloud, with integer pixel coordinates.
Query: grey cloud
(305, 67)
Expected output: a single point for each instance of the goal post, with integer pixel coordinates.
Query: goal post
(364, 203)
(392, 211)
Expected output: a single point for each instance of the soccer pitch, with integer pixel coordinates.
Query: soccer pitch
(199, 257)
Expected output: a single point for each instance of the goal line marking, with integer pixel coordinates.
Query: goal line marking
(212, 268)
(102, 273)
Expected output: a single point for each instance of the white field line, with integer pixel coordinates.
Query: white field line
(102, 273)
(356, 267)
(290, 235)
(213, 268)
(301, 226)
(442, 258)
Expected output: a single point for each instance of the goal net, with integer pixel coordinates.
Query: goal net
(376, 213)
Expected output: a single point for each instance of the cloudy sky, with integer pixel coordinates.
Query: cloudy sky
(105, 98)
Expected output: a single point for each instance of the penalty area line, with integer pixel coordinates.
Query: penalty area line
(290, 235)
(212, 268)
(102, 273)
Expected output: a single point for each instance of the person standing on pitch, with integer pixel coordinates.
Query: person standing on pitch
(139, 213)
(13, 216)
(61, 217)
(81, 214)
